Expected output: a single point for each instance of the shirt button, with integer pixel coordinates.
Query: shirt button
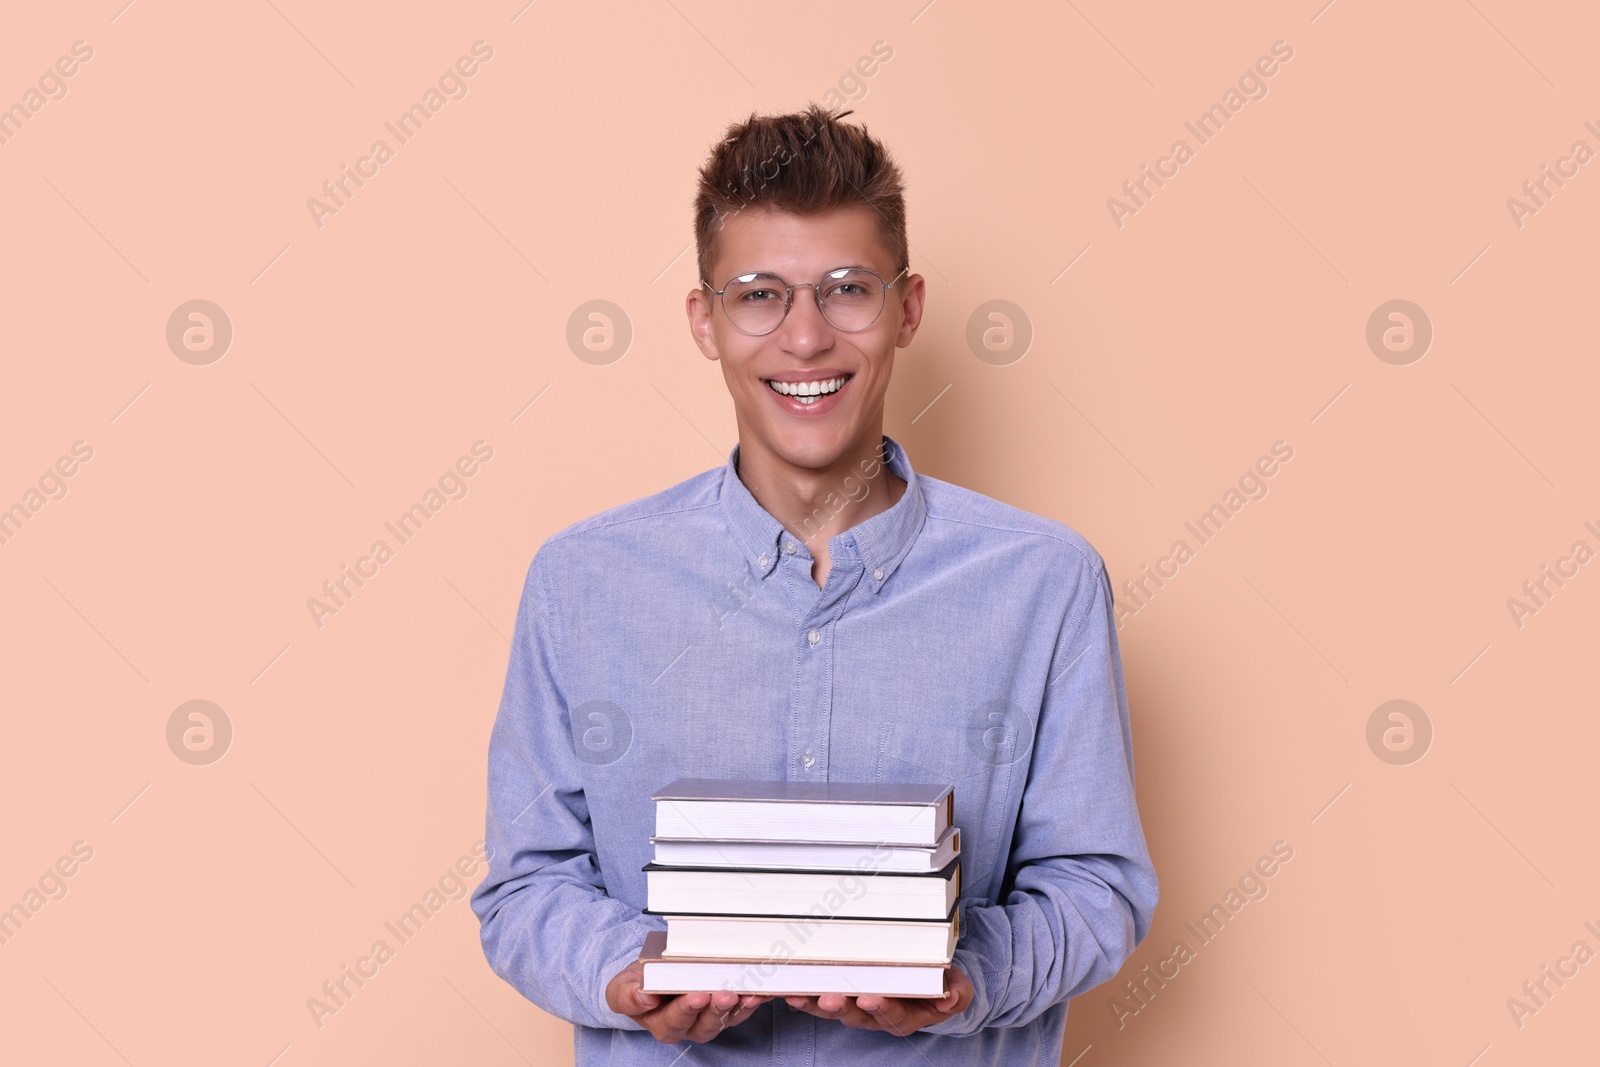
(813, 637)
(808, 759)
(788, 546)
(877, 574)
(762, 562)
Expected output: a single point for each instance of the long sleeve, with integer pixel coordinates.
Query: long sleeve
(547, 925)
(1081, 887)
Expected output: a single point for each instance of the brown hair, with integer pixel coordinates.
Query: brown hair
(806, 163)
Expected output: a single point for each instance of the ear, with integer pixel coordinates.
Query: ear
(911, 304)
(698, 306)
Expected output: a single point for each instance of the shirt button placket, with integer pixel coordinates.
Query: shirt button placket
(815, 711)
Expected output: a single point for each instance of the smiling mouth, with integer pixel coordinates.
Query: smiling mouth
(808, 392)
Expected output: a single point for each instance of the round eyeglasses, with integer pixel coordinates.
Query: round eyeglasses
(850, 299)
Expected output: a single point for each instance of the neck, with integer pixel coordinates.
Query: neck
(817, 503)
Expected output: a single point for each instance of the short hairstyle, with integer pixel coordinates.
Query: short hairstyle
(805, 163)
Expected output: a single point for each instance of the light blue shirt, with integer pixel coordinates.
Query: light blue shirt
(957, 639)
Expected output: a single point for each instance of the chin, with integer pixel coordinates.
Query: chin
(814, 450)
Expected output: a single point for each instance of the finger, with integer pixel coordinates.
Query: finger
(742, 1009)
(715, 1016)
(724, 1000)
(842, 1008)
(895, 1014)
(707, 1025)
(747, 1007)
(723, 1003)
(809, 1006)
(748, 1003)
(680, 1013)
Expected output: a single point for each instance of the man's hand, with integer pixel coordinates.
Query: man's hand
(697, 1017)
(897, 1015)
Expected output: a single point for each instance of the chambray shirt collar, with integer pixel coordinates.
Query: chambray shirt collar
(881, 542)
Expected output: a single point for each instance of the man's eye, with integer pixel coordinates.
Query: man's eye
(757, 296)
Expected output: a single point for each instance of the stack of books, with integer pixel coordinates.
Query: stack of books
(802, 888)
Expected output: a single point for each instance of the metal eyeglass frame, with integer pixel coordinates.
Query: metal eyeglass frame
(816, 292)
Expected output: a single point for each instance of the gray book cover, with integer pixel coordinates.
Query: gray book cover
(917, 794)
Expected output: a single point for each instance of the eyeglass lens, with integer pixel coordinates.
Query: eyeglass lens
(850, 300)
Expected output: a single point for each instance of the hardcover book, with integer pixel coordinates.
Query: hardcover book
(914, 814)
(733, 891)
(813, 939)
(683, 975)
(822, 856)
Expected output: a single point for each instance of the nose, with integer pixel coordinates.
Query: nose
(804, 329)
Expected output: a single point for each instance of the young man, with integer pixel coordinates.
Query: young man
(814, 610)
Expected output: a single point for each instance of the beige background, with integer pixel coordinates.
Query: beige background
(1230, 312)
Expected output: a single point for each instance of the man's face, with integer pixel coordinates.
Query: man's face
(806, 347)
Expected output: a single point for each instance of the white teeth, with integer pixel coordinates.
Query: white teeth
(806, 392)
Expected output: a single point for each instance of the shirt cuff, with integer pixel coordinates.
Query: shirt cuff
(615, 1020)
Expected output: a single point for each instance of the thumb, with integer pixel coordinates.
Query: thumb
(626, 994)
(635, 1000)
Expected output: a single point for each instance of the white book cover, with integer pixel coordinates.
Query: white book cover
(782, 978)
(775, 855)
